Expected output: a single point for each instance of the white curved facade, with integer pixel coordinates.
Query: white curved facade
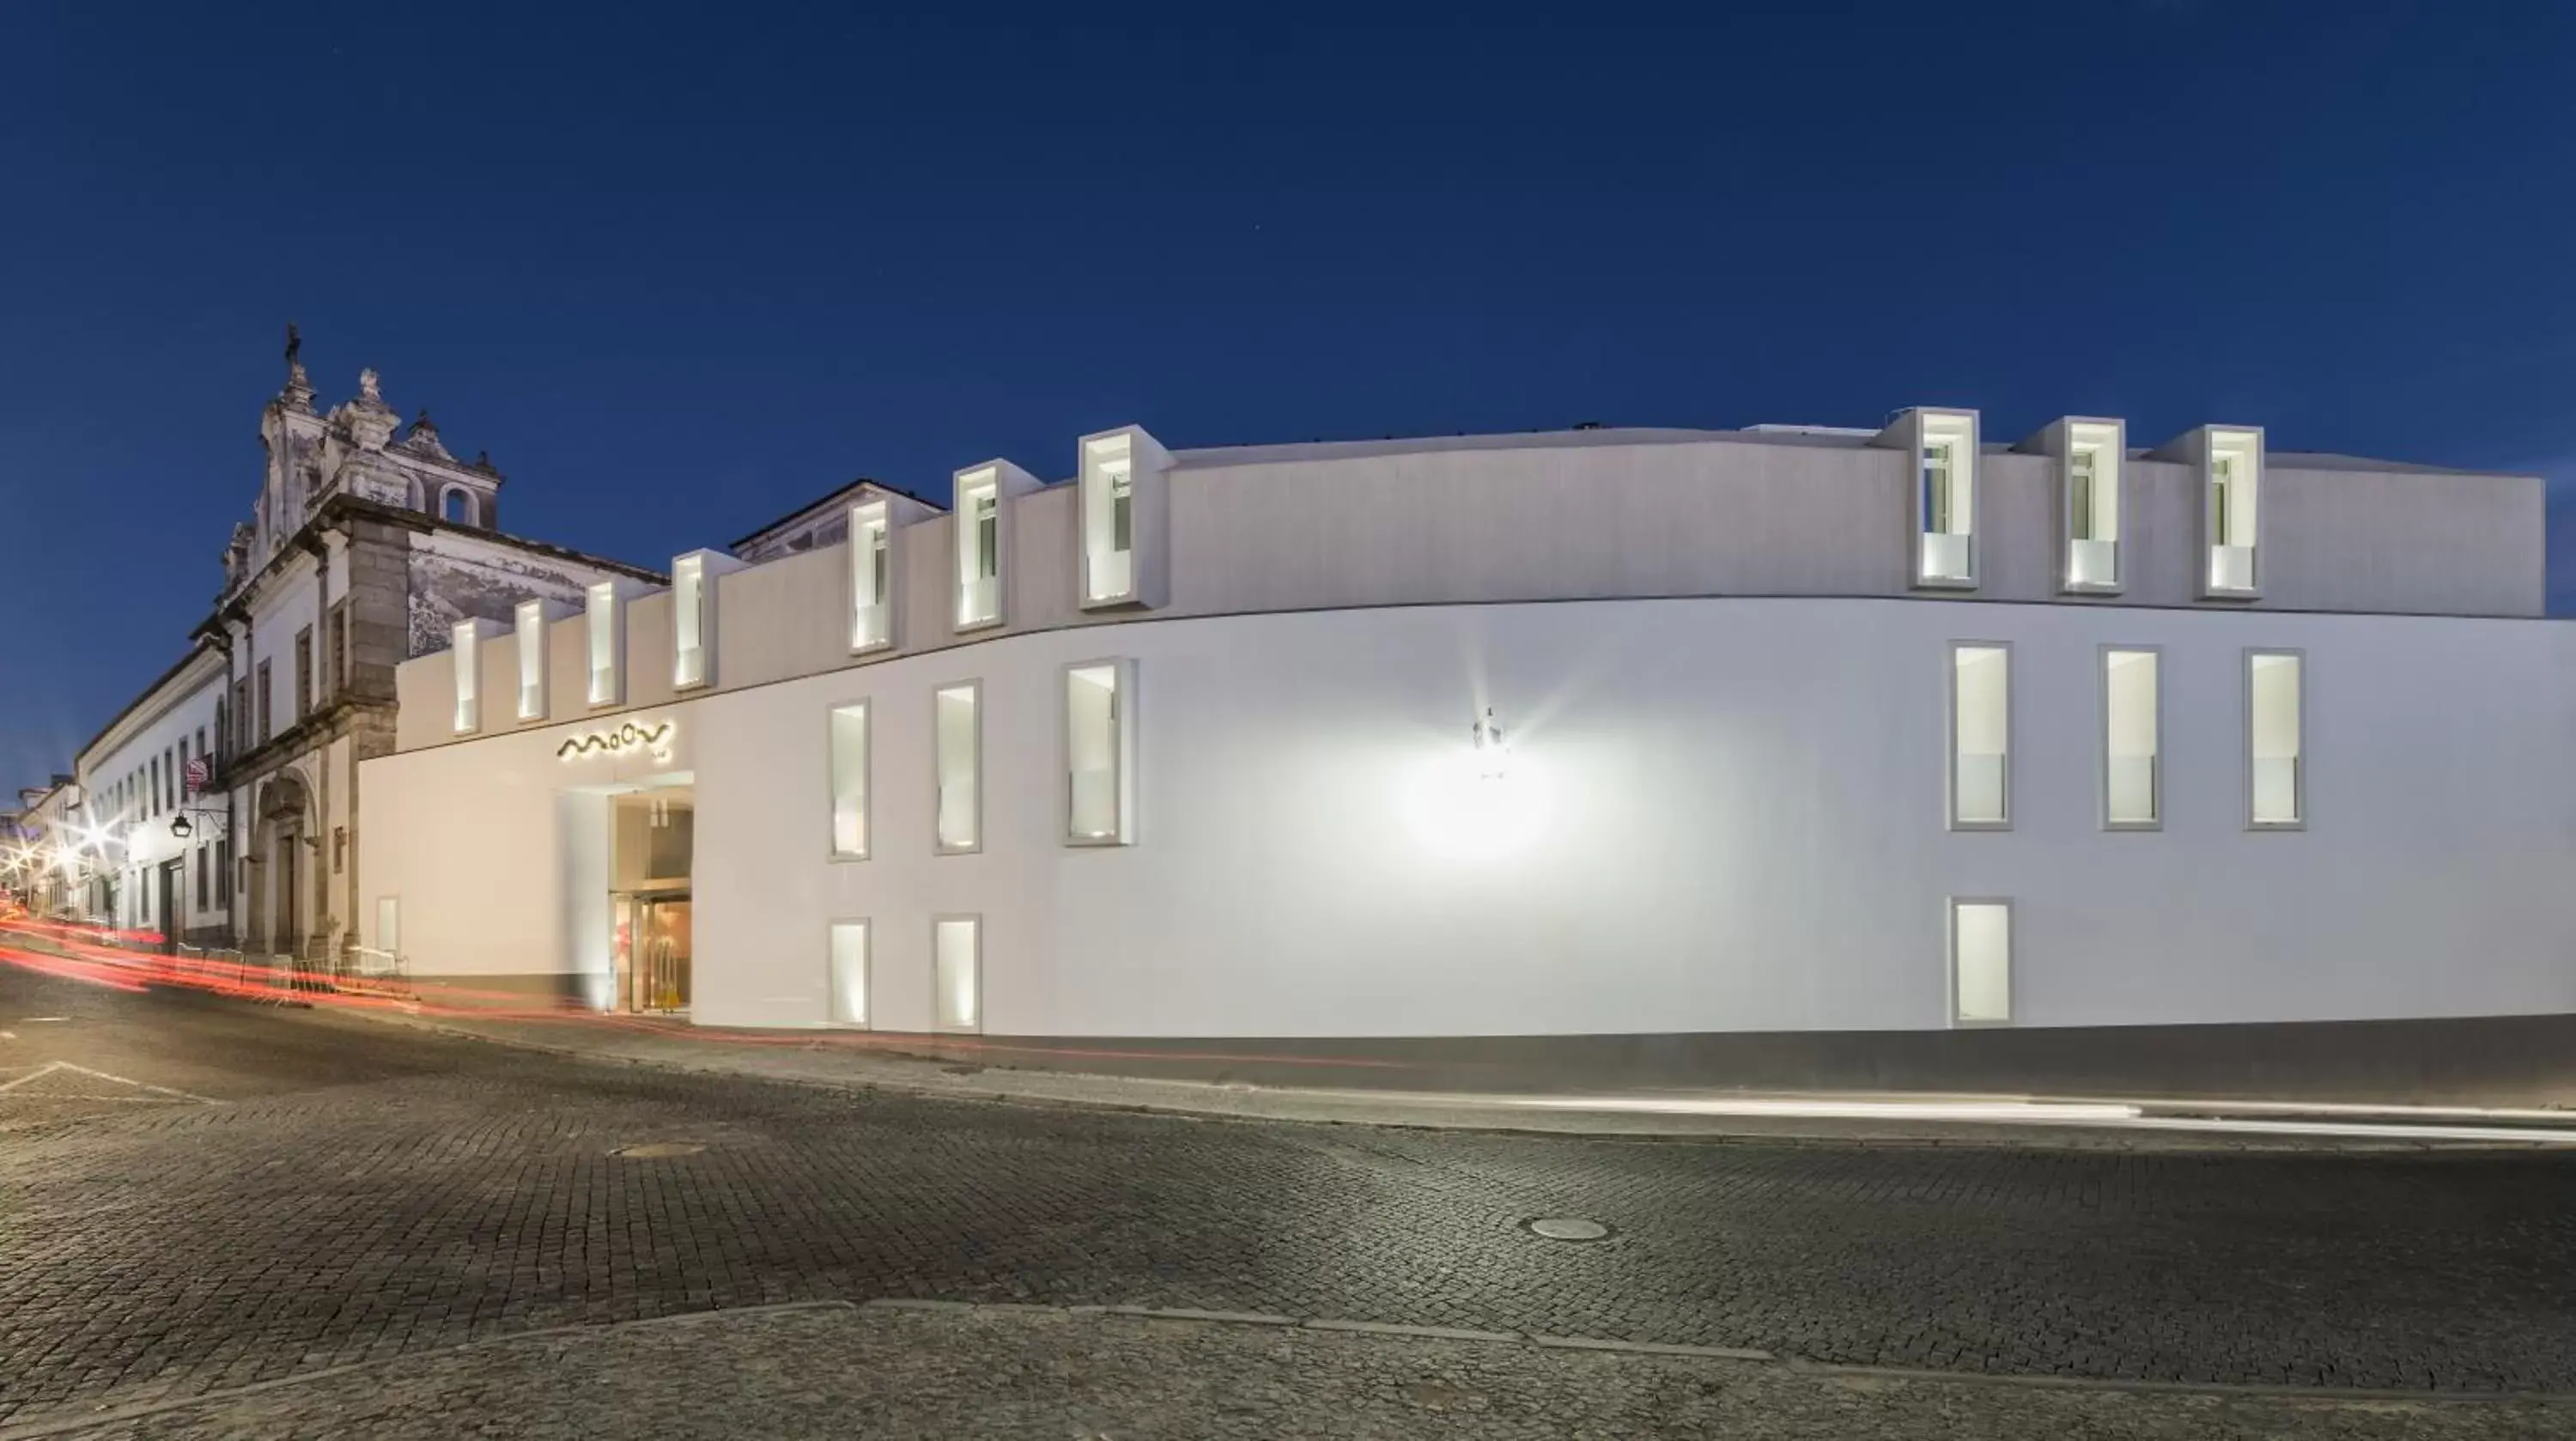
(1721, 813)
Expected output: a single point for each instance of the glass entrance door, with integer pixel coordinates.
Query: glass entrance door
(659, 972)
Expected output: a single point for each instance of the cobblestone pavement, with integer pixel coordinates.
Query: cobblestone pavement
(303, 1190)
(1050, 1375)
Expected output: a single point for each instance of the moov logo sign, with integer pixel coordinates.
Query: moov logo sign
(654, 740)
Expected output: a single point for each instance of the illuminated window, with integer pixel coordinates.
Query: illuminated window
(2232, 512)
(871, 577)
(530, 620)
(2275, 718)
(1108, 519)
(602, 631)
(957, 979)
(1980, 962)
(1945, 501)
(847, 979)
(1099, 787)
(467, 654)
(690, 593)
(849, 775)
(959, 741)
(2132, 740)
(1980, 737)
(2094, 453)
(979, 548)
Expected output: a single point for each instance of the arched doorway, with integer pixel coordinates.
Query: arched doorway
(282, 893)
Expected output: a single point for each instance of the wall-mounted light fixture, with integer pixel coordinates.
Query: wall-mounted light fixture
(1478, 804)
(1493, 757)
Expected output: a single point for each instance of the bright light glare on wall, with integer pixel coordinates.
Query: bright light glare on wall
(1479, 801)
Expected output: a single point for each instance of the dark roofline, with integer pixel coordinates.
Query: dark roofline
(200, 647)
(830, 495)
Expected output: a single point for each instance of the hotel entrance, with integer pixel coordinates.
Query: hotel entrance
(652, 835)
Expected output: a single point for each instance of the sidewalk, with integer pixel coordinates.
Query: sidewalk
(865, 1060)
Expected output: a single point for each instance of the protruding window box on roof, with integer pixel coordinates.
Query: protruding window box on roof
(2230, 462)
(2092, 500)
(693, 616)
(1125, 508)
(982, 548)
(533, 622)
(604, 639)
(465, 650)
(875, 560)
(1942, 447)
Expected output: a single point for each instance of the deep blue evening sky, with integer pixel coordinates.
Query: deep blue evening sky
(682, 268)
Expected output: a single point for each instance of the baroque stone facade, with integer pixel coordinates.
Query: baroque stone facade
(368, 542)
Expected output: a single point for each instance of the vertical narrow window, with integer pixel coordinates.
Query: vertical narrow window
(389, 925)
(1108, 519)
(201, 877)
(1098, 785)
(304, 672)
(957, 965)
(2232, 514)
(871, 577)
(689, 621)
(468, 658)
(266, 700)
(1980, 737)
(2276, 704)
(979, 549)
(603, 643)
(2094, 452)
(848, 977)
(336, 646)
(1946, 500)
(959, 741)
(1980, 962)
(2132, 740)
(849, 779)
(530, 622)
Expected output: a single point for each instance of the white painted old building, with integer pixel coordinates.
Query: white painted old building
(160, 858)
(1828, 745)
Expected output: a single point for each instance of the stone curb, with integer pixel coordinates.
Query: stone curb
(1926, 1135)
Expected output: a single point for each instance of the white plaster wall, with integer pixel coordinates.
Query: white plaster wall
(184, 707)
(497, 850)
(288, 603)
(1618, 514)
(1744, 828)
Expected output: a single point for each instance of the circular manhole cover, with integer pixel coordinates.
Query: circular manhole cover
(658, 1150)
(1568, 1228)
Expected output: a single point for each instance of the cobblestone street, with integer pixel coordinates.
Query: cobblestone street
(198, 1193)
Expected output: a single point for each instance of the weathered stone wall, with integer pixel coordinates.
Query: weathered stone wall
(454, 578)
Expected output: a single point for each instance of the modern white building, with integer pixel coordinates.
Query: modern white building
(1793, 755)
